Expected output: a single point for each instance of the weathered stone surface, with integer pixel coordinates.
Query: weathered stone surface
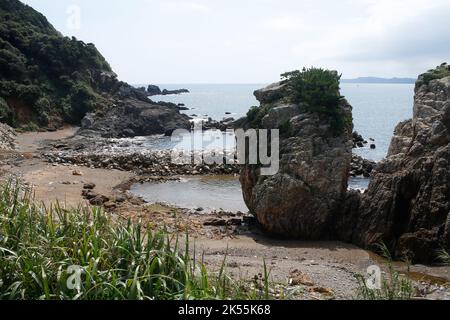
(301, 199)
(407, 205)
(153, 90)
(7, 138)
(134, 117)
(271, 93)
(279, 115)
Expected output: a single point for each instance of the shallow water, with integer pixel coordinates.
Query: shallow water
(208, 192)
(377, 108)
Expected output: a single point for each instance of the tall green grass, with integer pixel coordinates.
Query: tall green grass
(394, 286)
(444, 256)
(117, 260)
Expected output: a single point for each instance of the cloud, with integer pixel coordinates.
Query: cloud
(284, 23)
(187, 6)
(171, 41)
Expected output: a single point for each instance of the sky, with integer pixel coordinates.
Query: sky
(254, 41)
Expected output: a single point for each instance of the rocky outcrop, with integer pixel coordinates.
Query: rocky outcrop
(360, 142)
(127, 155)
(407, 204)
(302, 198)
(153, 90)
(166, 92)
(7, 138)
(362, 167)
(132, 117)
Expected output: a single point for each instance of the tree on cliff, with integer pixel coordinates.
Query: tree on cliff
(317, 90)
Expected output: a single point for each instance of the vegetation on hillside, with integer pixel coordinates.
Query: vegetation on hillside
(44, 77)
(440, 72)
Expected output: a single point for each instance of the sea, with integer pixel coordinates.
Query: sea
(377, 109)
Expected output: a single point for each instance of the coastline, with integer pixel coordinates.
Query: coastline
(327, 269)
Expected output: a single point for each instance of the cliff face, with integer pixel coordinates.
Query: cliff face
(47, 79)
(302, 198)
(407, 204)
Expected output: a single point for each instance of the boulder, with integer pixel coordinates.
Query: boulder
(273, 92)
(280, 115)
(301, 199)
(133, 117)
(153, 90)
(166, 92)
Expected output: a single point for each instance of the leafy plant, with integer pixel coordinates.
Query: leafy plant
(440, 72)
(394, 286)
(444, 256)
(319, 91)
(40, 247)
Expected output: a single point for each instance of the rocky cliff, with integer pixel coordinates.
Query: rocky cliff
(407, 204)
(302, 198)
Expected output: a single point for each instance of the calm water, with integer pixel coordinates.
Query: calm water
(377, 108)
(209, 193)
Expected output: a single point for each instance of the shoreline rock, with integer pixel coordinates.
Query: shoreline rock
(133, 117)
(154, 90)
(121, 155)
(407, 204)
(301, 199)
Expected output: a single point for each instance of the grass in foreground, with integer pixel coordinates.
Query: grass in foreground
(444, 256)
(394, 286)
(41, 250)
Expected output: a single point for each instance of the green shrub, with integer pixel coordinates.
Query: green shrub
(256, 114)
(28, 127)
(6, 113)
(440, 72)
(319, 91)
(444, 256)
(43, 108)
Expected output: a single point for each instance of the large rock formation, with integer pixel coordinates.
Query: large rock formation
(302, 198)
(407, 205)
(132, 117)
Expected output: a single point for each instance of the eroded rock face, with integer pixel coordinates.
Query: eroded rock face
(134, 117)
(407, 204)
(301, 199)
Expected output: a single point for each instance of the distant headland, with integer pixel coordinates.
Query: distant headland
(378, 80)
